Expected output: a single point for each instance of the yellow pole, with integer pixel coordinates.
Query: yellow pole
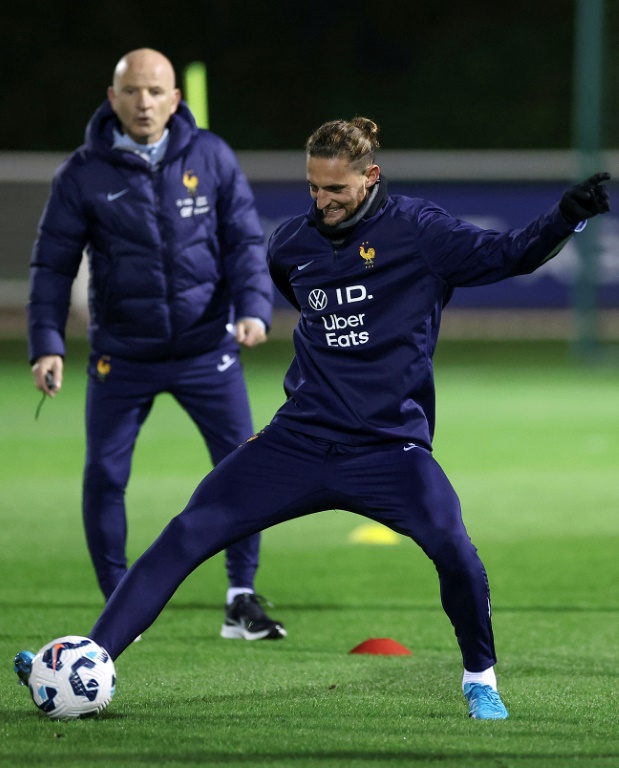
(196, 93)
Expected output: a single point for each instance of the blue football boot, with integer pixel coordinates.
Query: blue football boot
(22, 666)
(484, 702)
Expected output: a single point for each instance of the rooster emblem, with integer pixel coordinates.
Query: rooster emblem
(368, 256)
(191, 182)
(103, 367)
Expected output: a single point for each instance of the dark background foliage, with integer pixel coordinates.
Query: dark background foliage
(434, 75)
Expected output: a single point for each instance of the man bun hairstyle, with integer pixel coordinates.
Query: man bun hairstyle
(356, 140)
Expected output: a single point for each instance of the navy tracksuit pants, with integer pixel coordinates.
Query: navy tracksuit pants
(120, 395)
(280, 475)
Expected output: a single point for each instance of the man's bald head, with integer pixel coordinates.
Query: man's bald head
(143, 94)
(144, 59)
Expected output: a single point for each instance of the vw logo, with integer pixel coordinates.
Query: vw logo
(318, 299)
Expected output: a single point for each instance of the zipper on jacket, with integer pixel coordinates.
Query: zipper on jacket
(166, 259)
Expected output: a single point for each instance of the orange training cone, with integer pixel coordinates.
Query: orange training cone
(383, 646)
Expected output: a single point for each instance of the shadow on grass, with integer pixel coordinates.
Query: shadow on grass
(334, 757)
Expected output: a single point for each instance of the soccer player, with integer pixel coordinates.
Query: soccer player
(178, 280)
(370, 274)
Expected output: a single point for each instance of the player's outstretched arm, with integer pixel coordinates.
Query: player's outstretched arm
(584, 200)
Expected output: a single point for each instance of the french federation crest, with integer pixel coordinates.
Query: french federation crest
(190, 180)
(103, 367)
(193, 204)
(367, 256)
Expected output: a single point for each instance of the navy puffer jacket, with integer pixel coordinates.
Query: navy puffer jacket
(174, 254)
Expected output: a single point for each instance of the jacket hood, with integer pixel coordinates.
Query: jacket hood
(99, 135)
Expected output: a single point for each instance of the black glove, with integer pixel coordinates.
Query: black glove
(584, 200)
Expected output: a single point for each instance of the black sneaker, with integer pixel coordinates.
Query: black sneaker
(246, 620)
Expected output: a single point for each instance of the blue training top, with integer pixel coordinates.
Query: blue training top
(371, 310)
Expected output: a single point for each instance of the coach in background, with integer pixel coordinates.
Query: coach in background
(178, 280)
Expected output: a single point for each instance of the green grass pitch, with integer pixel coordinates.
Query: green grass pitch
(529, 439)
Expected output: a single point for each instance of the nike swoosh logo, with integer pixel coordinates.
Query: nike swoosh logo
(302, 266)
(115, 195)
(226, 362)
(56, 654)
(409, 447)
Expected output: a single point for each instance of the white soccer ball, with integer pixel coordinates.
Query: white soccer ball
(72, 677)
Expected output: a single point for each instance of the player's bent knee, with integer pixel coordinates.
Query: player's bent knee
(455, 554)
(102, 477)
